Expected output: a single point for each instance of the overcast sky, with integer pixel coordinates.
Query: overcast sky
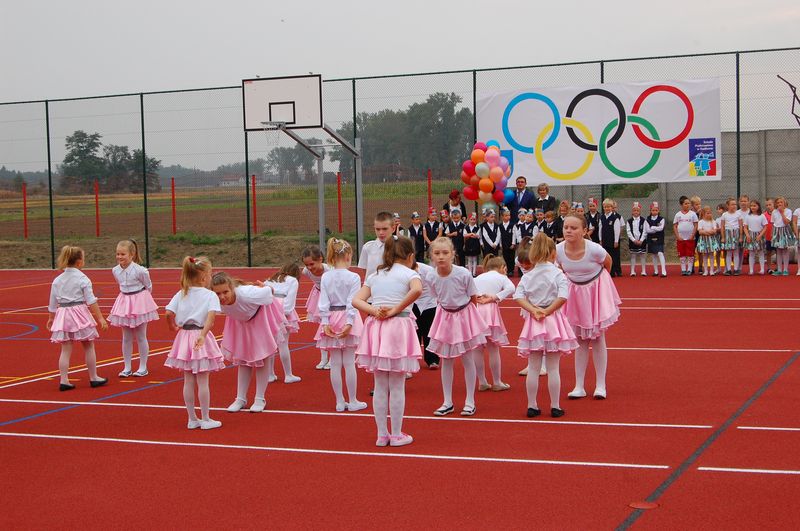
(91, 47)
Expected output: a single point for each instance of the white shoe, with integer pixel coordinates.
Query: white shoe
(600, 393)
(320, 365)
(355, 405)
(340, 407)
(633, 273)
(140, 373)
(125, 373)
(577, 393)
(258, 405)
(291, 379)
(272, 378)
(193, 424)
(237, 405)
(327, 366)
(209, 424)
(408, 376)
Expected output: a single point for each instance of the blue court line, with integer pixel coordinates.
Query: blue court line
(109, 397)
(683, 467)
(31, 329)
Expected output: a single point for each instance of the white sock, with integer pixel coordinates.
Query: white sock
(380, 402)
(683, 264)
(663, 263)
(397, 400)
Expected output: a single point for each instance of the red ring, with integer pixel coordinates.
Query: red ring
(664, 144)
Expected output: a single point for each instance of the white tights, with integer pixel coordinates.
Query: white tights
(389, 397)
(600, 357)
(345, 358)
(642, 258)
(243, 375)
(707, 261)
(286, 360)
(200, 380)
(783, 259)
(140, 334)
(751, 258)
(468, 359)
(472, 264)
(494, 364)
(732, 259)
(66, 353)
(663, 262)
(552, 361)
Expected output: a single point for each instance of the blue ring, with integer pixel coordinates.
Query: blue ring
(31, 329)
(531, 96)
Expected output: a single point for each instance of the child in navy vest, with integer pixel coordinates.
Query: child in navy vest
(655, 238)
(610, 229)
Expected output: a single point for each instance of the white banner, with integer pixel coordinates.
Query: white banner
(572, 135)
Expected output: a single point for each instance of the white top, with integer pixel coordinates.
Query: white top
(654, 228)
(796, 212)
(777, 219)
(426, 301)
(634, 233)
(728, 221)
(494, 283)
(486, 237)
(314, 278)
(388, 287)
(133, 278)
(194, 307)
(339, 286)
(248, 300)
(542, 285)
(454, 290)
(756, 222)
(371, 257)
(287, 290)
(70, 286)
(587, 267)
(685, 223)
(707, 225)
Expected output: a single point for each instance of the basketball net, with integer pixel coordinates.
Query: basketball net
(272, 132)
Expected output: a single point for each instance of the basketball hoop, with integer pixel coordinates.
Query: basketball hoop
(272, 132)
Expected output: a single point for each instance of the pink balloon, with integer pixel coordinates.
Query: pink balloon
(492, 158)
(508, 172)
(495, 174)
(504, 163)
(479, 145)
(468, 167)
(501, 184)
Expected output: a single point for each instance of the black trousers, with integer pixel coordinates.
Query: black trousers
(420, 255)
(424, 322)
(508, 256)
(616, 263)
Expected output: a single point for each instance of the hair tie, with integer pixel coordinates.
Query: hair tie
(192, 259)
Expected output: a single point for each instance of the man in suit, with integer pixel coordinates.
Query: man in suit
(544, 200)
(523, 198)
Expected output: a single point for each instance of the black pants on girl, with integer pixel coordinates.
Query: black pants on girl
(616, 262)
(424, 322)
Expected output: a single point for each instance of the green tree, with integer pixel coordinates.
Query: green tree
(82, 162)
(118, 162)
(152, 165)
(282, 161)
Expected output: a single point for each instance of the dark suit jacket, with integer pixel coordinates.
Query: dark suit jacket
(527, 203)
(546, 204)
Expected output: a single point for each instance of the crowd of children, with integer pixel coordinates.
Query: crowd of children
(438, 313)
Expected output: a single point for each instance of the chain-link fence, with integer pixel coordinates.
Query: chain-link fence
(176, 171)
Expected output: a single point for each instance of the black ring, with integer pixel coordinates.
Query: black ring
(620, 109)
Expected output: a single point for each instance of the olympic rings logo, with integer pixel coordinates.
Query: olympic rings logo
(610, 135)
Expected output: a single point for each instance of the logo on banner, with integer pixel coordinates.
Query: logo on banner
(702, 157)
(645, 132)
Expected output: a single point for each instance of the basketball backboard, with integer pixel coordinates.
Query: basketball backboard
(293, 100)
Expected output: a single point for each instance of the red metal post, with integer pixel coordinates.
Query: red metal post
(339, 197)
(255, 217)
(430, 189)
(96, 209)
(25, 209)
(174, 217)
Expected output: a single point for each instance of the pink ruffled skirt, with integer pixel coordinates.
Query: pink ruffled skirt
(130, 311)
(73, 323)
(497, 329)
(592, 308)
(551, 334)
(292, 322)
(248, 342)
(312, 305)
(278, 324)
(389, 345)
(337, 321)
(184, 357)
(454, 333)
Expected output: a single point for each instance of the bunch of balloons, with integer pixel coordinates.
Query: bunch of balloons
(486, 174)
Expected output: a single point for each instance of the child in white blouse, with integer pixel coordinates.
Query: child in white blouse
(313, 270)
(493, 286)
(284, 284)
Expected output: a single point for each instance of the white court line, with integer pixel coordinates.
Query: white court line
(765, 428)
(680, 349)
(748, 470)
(338, 452)
(368, 415)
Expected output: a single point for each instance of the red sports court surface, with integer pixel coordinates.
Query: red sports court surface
(701, 419)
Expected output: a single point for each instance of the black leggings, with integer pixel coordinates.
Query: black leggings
(424, 322)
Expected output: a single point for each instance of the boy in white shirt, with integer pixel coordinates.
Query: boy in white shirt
(372, 252)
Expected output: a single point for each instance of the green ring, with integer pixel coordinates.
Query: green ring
(604, 156)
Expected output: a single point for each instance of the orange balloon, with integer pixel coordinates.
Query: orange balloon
(477, 156)
(486, 185)
(496, 174)
(474, 180)
(508, 171)
(464, 177)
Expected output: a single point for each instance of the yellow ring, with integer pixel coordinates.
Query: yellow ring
(540, 158)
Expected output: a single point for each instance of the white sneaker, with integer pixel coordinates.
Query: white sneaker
(193, 424)
(356, 405)
(577, 393)
(327, 366)
(258, 405)
(237, 405)
(209, 424)
(291, 379)
(272, 378)
(140, 373)
(340, 407)
(320, 365)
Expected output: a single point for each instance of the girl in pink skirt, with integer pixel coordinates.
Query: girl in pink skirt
(546, 333)
(340, 327)
(313, 270)
(593, 302)
(493, 286)
(389, 346)
(248, 340)
(71, 300)
(458, 330)
(191, 313)
(284, 285)
(134, 306)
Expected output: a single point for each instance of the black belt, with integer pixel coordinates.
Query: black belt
(337, 308)
(280, 295)
(68, 304)
(191, 326)
(454, 310)
(133, 292)
(256, 313)
(586, 281)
